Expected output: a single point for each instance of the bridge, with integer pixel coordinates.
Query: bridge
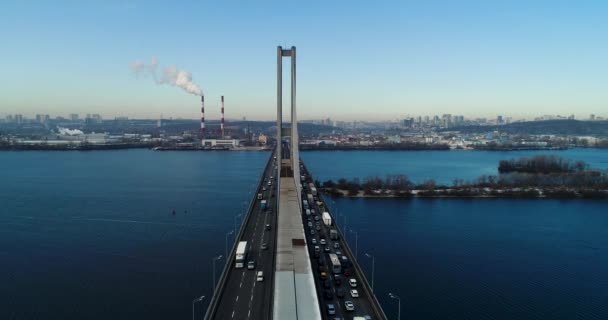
(297, 262)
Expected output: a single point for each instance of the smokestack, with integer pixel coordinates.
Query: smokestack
(222, 123)
(203, 117)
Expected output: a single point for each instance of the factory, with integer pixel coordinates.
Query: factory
(220, 140)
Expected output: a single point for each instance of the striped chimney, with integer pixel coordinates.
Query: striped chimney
(203, 116)
(222, 123)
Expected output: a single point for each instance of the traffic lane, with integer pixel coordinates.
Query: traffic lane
(261, 293)
(362, 303)
(236, 280)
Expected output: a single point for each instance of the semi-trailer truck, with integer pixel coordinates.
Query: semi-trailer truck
(241, 254)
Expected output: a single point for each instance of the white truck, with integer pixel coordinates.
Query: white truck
(326, 218)
(241, 255)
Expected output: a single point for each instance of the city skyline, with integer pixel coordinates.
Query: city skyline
(383, 62)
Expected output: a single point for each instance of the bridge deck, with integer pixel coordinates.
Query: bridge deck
(294, 282)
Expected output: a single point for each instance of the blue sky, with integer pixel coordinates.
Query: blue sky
(356, 60)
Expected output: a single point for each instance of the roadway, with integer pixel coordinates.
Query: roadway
(242, 297)
(363, 303)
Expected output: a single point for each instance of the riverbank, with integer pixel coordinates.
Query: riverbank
(121, 146)
(549, 193)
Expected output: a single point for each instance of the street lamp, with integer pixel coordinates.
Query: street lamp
(356, 242)
(392, 296)
(373, 267)
(226, 243)
(195, 301)
(213, 260)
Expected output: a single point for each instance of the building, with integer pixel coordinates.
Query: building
(262, 139)
(229, 143)
(74, 117)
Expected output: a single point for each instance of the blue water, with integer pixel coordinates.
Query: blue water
(90, 235)
(484, 258)
(442, 166)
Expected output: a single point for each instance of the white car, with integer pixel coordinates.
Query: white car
(354, 293)
(260, 277)
(349, 305)
(352, 283)
(322, 241)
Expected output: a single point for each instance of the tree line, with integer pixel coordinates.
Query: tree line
(551, 175)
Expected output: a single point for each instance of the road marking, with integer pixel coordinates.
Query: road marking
(249, 313)
(240, 285)
(233, 313)
(237, 298)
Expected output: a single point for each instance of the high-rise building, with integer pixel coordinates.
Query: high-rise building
(74, 117)
(592, 117)
(19, 118)
(499, 120)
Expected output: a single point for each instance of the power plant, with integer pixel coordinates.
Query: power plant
(220, 140)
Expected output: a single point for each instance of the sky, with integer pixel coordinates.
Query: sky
(356, 60)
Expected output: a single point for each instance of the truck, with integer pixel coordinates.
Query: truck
(333, 234)
(326, 218)
(336, 267)
(241, 255)
(312, 188)
(310, 198)
(264, 205)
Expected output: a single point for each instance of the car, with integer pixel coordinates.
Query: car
(312, 232)
(328, 295)
(322, 241)
(320, 262)
(318, 228)
(340, 293)
(267, 227)
(321, 269)
(317, 218)
(264, 246)
(327, 249)
(251, 265)
(349, 305)
(263, 188)
(260, 276)
(338, 253)
(331, 310)
(313, 240)
(347, 272)
(354, 293)
(336, 245)
(338, 279)
(310, 224)
(352, 282)
(326, 284)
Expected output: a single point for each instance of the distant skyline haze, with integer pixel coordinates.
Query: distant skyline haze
(356, 61)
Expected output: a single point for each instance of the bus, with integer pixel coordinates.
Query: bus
(241, 255)
(336, 267)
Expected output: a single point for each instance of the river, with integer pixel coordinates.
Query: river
(92, 235)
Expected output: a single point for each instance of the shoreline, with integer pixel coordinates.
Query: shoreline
(530, 193)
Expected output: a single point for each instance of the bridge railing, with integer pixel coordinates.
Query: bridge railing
(212, 308)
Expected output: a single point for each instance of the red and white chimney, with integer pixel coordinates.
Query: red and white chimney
(203, 117)
(222, 122)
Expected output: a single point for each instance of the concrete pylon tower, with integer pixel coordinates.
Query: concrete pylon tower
(289, 163)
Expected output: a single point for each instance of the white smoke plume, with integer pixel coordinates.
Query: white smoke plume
(171, 75)
(69, 132)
